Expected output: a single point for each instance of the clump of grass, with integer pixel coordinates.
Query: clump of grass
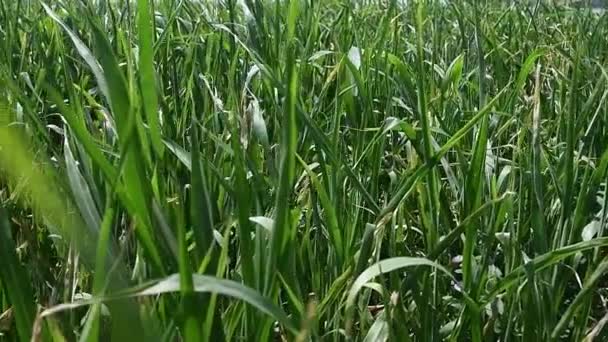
(302, 170)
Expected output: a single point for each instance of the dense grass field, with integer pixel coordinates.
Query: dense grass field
(336, 170)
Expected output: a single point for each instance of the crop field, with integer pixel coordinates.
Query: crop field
(303, 170)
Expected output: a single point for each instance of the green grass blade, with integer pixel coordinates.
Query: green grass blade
(330, 212)
(146, 70)
(83, 136)
(427, 138)
(15, 282)
(590, 285)
(200, 210)
(377, 269)
(282, 229)
(137, 188)
(543, 261)
(85, 52)
(209, 284)
(80, 190)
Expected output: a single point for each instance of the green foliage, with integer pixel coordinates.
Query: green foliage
(302, 170)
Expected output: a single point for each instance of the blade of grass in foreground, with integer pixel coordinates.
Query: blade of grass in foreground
(244, 207)
(146, 71)
(191, 324)
(384, 266)
(474, 186)
(209, 284)
(431, 191)
(91, 329)
(113, 85)
(15, 282)
(201, 212)
(427, 138)
(282, 229)
(136, 186)
(60, 217)
(201, 284)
